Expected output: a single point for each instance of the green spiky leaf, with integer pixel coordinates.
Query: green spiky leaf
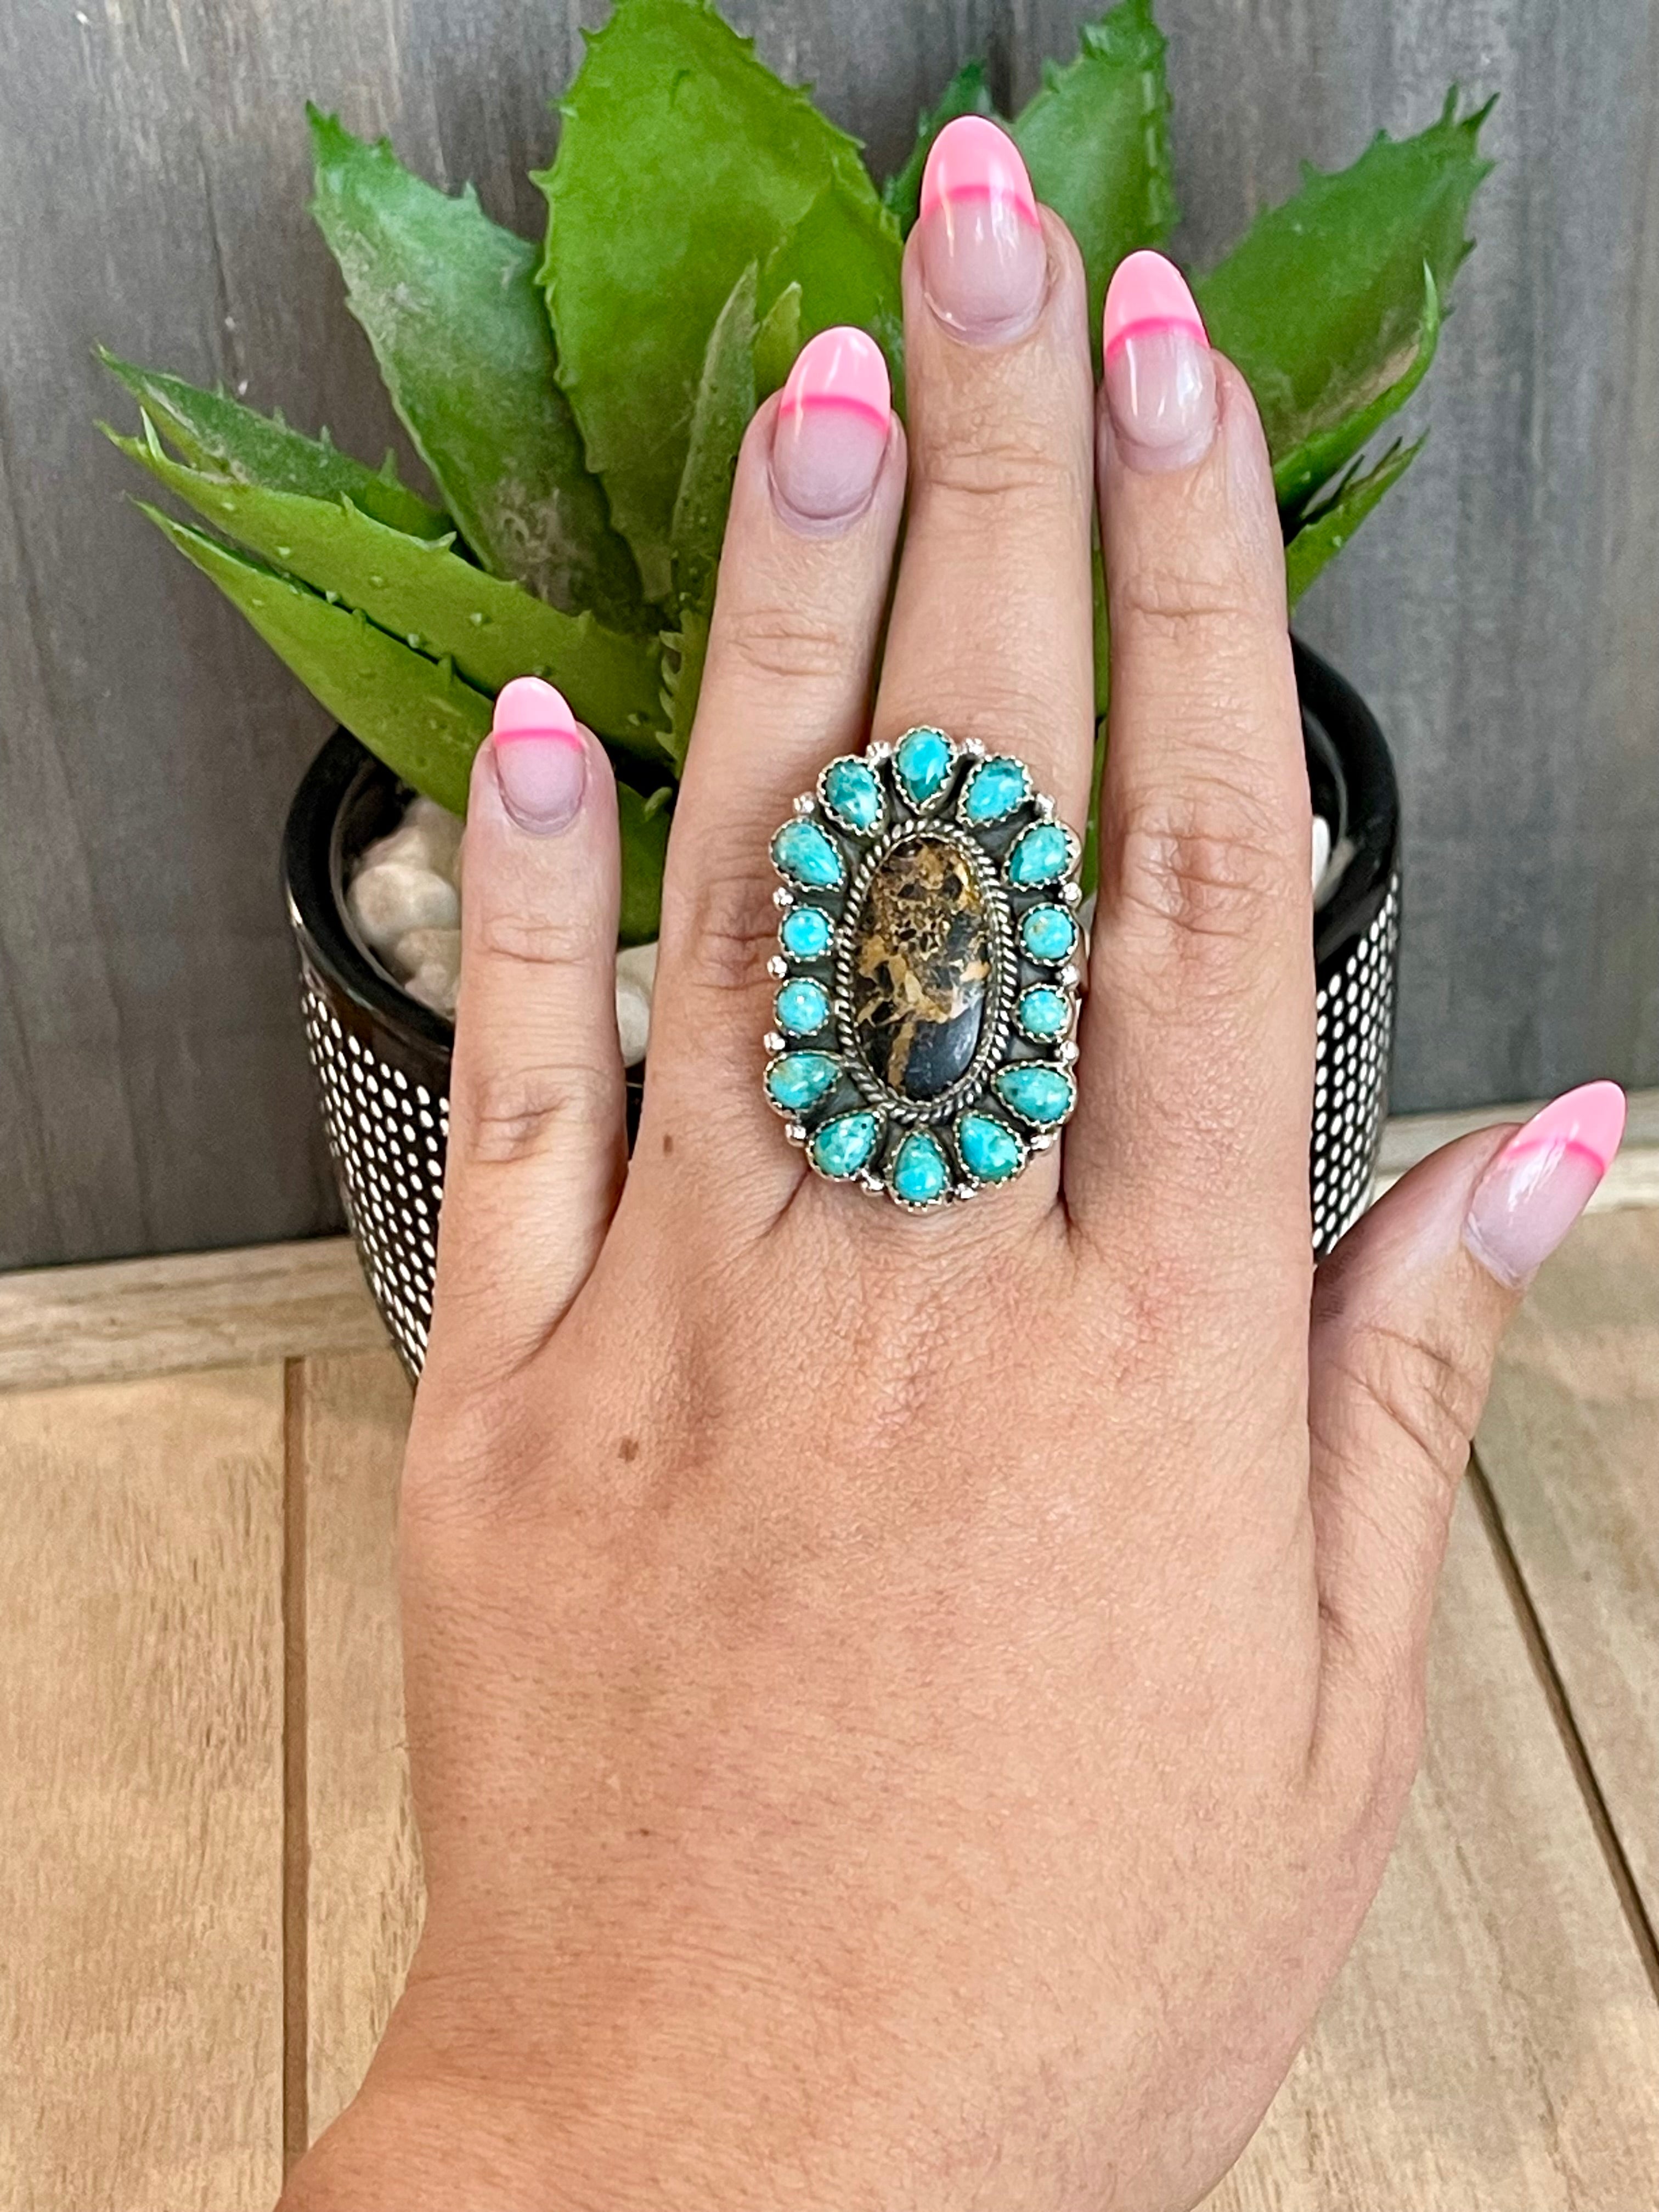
(642, 824)
(417, 589)
(725, 402)
(1324, 455)
(1321, 303)
(416, 713)
(682, 160)
(842, 261)
(1095, 139)
(450, 307)
(217, 433)
(1334, 522)
(777, 341)
(968, 92)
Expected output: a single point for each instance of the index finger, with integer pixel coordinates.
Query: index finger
(1196, 1080)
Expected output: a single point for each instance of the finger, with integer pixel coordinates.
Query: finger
(537, 1141)
(991, 635)
(1407, 1314)
(1198, 1042)
(803, 585)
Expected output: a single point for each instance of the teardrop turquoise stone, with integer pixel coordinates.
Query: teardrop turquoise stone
(802, 1007)
(806, 933)
(920, 1173)
(1044, 1012)
(803, 852)
(851, 794)
(990, 1151)
(799, 1079)
(994, 789)
(1047, 933)
(921, 761)
(1037, 1093)
(842, 1146)
(1041, 854)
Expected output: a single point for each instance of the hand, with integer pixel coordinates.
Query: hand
(910, 1711)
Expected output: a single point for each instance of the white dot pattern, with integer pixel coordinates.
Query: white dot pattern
(1351, 1078)
(388, 1133)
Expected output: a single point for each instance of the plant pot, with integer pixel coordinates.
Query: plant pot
(382, 1059)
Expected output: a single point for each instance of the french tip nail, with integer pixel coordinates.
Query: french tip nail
(529, 707)
(972, 158)
(1148, 292)
(841, 366)
(1590, 1119)
(1537, 1186)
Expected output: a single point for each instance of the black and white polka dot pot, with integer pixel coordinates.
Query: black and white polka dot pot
(382, 1060)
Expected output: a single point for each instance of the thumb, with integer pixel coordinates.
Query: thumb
(1407, 1315)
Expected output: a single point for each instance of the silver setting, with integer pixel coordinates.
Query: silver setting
(983, 849)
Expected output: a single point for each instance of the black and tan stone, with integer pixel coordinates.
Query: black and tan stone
(922, 968)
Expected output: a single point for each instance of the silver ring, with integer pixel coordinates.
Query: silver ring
(928, 969)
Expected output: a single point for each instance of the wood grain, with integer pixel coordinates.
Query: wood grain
(1492, 2044)
(141, 1816)
(190, 1310)
(362, 1895)
(1571, 1448)
(154, 1094)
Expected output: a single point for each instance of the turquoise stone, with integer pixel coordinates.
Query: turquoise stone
(1047, 933)
(1044, 1012)
(799, 1079)
(806, 933)
(994, 789)
(920, 1173)
(803, 852)
(1041, 854)
(802, 1007)
(1037, 1092)
(990, 1151)
(842, 1146)
(851, 794)
(921, 761)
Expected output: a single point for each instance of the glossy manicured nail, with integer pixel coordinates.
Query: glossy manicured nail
(541, 757)
(1159, 376)
(984, 262)
(831, 431)
(1542, 1181)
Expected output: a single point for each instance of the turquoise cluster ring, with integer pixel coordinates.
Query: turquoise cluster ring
(930, 955)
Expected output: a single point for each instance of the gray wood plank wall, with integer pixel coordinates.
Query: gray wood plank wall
(1502, 612)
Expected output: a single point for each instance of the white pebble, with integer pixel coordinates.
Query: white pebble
(428, 836)
(1322, 848)
(429, 961)
(391, 897)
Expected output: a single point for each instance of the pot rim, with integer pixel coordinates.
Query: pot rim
(1337, 726)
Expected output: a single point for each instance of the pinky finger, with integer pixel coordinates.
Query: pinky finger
(538, 1147)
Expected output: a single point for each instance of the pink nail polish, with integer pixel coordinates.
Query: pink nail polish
(541, 756)
(1542, 1180)
(984, 262)
(830, 436)
(1159, 375)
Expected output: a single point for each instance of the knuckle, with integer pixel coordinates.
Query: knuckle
(1213, 861)
(510, 1114)
(719, 929)
(1190, 612)
(985, 456)
(1427, 1394)
(779, 644)
(539, 940)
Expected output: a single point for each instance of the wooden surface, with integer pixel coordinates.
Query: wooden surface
(153, 176)
(209, 1880)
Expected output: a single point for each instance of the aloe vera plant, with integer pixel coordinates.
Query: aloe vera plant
(579, 407)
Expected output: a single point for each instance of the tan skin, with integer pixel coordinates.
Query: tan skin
(910, 1712)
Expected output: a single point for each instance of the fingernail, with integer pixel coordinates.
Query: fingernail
(541, 757)
(1159, 376)
(983, 259)
(1542, 1181)
(831, 430)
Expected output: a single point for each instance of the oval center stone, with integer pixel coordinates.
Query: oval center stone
(922, 968)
